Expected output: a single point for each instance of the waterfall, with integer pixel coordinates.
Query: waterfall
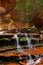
(30, 61)
(29, 42)
(18, 46)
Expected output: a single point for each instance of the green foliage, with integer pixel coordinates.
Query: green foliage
(23, 39)
(28, 7)
(41, 2)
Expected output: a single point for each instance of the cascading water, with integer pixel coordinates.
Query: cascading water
(30, 61)
(37, 61)
(21, 50)
(31, 36)
(18, 46)
(29, 41)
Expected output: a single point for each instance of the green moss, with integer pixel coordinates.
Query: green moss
(23, 39)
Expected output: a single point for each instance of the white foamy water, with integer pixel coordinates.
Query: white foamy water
(29, 42)
(37, 61)
(1, 32)
(30, 62)
(18, 46)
